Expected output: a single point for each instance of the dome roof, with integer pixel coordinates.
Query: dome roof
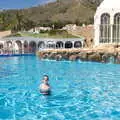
(110, 4)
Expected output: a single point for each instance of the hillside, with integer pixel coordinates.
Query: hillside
(58, 13)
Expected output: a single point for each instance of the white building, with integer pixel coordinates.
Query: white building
(38, 29)
(70, 27)
(22, 45)
(107, 23)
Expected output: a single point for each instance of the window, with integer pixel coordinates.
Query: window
(116, 28)
(105, 34)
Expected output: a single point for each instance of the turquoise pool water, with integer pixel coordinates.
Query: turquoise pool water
(80, 90)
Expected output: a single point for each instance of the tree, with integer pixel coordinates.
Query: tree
(28, 24)
(19, 25)
(2, 20)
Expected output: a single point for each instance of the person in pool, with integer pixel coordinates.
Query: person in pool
(45, 87)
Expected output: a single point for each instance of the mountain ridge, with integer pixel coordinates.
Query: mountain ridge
(59, 13)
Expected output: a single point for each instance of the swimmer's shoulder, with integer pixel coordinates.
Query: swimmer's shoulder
(41, 85)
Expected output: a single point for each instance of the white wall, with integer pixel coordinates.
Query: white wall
(101, 10)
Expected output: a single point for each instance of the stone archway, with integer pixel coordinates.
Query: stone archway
(77, 44)
(41, 44)
(8, 47)
(32, 47)
(51, 45)
(1, 45)
(18, 46)
(1, 48)
(59, 44)
(8, 44)
(26, 47)
(68, 44)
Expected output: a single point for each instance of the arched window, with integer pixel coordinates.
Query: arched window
(116, 28)
(105, 34)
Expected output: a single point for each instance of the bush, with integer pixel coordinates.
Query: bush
(55, 32)
(44, 31)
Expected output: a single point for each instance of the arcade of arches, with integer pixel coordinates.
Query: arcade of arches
(26, 46)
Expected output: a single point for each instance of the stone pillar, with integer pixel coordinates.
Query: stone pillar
(73, 42)
(13, 48)
(82, 42)
(28, 47)
(22, 47)
(63, 45)
(37, 48)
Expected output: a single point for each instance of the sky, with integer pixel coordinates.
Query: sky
(17, 4)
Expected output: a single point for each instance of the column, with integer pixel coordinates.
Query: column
(13, 48)
(63, 45)
(22, 47)
(73, 42)
(27, 46)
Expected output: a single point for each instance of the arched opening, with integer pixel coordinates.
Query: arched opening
(41, 44)
(1, 45)
(59, 44)
(51, 45)
(9, 44)
(18, 46)
(32, 47)
(8, 47)
(77, 44)
(105, 34)
(26, 47)
(1, 48)
(68, 44)
(116, 28)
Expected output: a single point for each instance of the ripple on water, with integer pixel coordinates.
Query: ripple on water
(80, 90)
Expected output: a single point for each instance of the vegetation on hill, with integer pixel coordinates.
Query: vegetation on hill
(59, 13)
(46, 34)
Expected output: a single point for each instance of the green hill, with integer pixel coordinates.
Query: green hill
(58, 13)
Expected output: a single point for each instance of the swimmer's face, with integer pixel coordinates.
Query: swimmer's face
(45, 79)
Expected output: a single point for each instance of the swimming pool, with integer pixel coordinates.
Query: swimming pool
(80, 90)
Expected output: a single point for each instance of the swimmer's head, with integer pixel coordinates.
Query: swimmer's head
(45, 79)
